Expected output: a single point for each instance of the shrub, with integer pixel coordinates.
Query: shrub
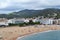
(10, 24)
(31, 22)
(21, 24)
(26, 23)
(36, 22)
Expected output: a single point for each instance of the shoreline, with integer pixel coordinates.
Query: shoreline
(34, 34)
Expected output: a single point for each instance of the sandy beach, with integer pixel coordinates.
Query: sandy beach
(12, 33)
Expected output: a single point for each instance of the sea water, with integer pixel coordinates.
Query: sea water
(52, 35)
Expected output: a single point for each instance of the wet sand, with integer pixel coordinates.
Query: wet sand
(12, 33)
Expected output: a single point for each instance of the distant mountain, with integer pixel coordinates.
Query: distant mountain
(49, 12)
(27, 13)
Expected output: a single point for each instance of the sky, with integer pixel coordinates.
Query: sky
(7, 6)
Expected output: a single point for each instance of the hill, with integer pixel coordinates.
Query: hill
(49, 12)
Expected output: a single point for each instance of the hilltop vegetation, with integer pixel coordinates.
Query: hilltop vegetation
(49, 12)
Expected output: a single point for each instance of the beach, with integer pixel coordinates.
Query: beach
(12, 33)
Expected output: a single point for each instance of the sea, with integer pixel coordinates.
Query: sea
(48, 35)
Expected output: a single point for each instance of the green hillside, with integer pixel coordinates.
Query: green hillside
(49, 12)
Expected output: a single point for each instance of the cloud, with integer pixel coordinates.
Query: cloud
(4, 4)
(14, 5)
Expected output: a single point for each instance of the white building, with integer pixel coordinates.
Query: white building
(36, 20)
(44, 21)
(3, 22)
(26, 20)
(17, 21)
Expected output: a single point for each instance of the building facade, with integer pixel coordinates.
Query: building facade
(44, 21)
(17, 20)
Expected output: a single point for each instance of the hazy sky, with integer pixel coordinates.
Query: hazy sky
(15, 5)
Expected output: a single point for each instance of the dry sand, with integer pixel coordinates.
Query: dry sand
(12, 33)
